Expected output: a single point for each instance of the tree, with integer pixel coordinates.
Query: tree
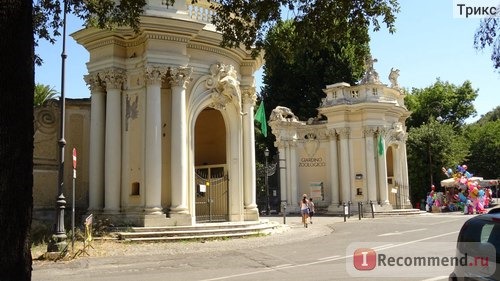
(430, 147)
(295, 74)
(488, 34)
(451, 103)
(16, 138)
(43, 93)
(337, 21)
(484, 145)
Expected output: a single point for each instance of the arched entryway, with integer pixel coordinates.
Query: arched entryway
(211, 173)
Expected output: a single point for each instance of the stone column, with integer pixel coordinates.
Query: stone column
(97, 129)
(248, 101)
(283, 172)
(344, 164)
(371, 176)
(382, 173)
(293, 173)
(179, 77)
(114, 78)
(154, 75)
(404, 167)
(334, 170)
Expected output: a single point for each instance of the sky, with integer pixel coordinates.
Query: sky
(429, 43)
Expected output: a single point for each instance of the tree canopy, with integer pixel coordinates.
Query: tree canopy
(488, 35)
(443, 100)
(335, 21)
(43, 93)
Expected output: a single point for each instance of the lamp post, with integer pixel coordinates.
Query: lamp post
(439, 119)
(58, 242)
(268, 207)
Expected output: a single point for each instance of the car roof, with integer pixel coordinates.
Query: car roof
(495, 216)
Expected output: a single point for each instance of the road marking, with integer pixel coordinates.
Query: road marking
(436, 278)
(327, 258)
(283, 265)
(381, 247)
(321, 261)
(401, 232)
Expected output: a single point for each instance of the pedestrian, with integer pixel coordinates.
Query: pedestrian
(311, 210)
(304, 209)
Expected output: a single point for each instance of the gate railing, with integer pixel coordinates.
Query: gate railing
(212, 200)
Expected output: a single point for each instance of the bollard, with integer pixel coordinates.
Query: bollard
(371, 206)
(361, 209)
(349, 209)
(283, 205)
(345, 210)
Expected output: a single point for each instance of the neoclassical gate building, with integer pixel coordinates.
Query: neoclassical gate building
(171, 122)
(356, 154)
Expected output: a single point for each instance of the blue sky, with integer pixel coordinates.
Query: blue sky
(429, 43)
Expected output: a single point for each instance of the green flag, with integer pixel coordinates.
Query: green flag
(380, 145)
(260, 116)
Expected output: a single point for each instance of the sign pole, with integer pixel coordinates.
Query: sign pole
(73, 205)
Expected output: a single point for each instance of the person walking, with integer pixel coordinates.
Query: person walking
(311, 210)
(304, 209)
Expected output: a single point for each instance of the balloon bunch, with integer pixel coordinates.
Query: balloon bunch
(460, 175)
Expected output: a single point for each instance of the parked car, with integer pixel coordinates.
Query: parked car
(479, 242)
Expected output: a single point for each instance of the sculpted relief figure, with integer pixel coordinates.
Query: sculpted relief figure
(225, 85)
(281, 113)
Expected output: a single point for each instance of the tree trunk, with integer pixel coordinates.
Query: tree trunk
(16, 138)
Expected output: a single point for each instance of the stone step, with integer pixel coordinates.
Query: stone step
(203, 231)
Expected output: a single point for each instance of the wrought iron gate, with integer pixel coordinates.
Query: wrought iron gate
(212, 198)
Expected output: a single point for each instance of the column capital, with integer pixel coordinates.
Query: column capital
(248, 95)
(344, 133)
(154, 74)
(94, 83)
(113, 77)
(180, 76)
(369, 132)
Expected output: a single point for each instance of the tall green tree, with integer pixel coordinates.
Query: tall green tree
(484, 146)
(43, 93)
(336, 20)
(299, 67)
(430, 147)
(448, 102)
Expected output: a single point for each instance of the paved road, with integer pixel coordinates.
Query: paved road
(316, 253)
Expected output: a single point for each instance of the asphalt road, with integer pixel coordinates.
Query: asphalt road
(323, 251)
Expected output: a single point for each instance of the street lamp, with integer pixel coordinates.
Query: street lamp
(268, 208)
(58, 242)
(439, 119)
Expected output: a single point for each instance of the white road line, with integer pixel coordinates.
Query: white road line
(283, 265)
(328, 258)
(436, 278)
(320, 261)
(402, 232)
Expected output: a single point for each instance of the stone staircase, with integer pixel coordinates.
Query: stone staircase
(201, 231)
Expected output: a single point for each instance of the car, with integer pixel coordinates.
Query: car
(479, 243)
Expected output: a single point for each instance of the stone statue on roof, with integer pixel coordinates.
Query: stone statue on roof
(371, 75)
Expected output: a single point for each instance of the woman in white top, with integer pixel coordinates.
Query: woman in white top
(304, 209)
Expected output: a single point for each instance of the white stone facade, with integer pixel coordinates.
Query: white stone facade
(358, 154)
(149, 94)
